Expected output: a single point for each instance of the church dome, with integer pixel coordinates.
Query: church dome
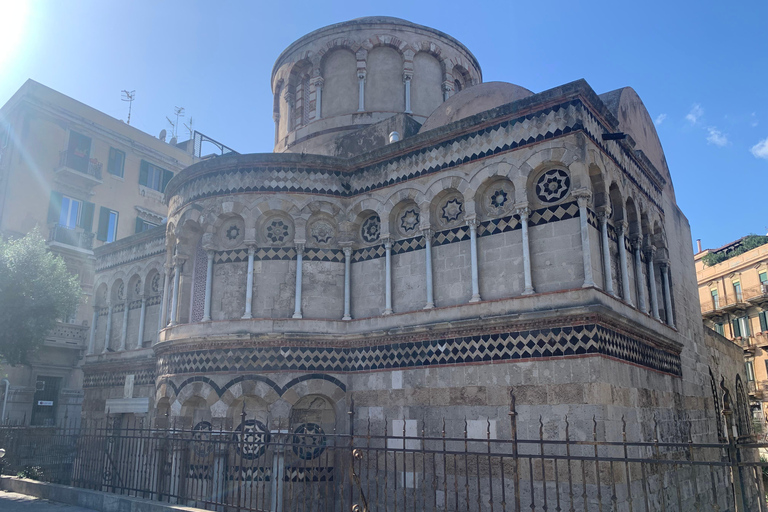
(474, 100)
(351, 75)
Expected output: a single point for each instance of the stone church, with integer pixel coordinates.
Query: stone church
(420, 244)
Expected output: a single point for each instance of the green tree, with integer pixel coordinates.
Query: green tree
(36, 290)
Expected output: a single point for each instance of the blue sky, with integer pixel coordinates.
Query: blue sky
(700, 68)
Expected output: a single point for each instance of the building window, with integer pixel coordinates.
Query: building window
(763, 321)
(78, 152)
(116, 163)
(741, 327)
(142, 225)
(70, 212)
(153, 176)
(719, 329)
(107, 225)
(715, 300)
(763, 277)
(737, 289)
(750, 369)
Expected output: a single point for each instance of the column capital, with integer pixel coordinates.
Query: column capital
(447, 86)
(210, 253)
(178, 261)
(318, 81)
(427, 232)
(650, 252)
(621, 227)
(603, 214)
(471, 222)
(251, 246)
(663, 264)
(347, 250)
(523, 211)
(583, 196)
(387, 240)
(407, 76)
(361, 74)
(299, 245)
(637, 242)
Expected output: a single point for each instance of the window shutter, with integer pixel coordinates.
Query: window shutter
(86, 217)
(103, 224)
(736, 328)
(745, 325)
(763, 321)
(139, 225)
(143, 173)
(167, 175)
(54, 207)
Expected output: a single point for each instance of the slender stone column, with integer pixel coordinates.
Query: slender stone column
(667, 293)
(124, 332)
(163, 316)
(92, 338)
(347, 263)
(175, 293)
(318, 97)
(299, 259)
(523, 212)
(584, 198)
(447, 88)
(142, 318)
(472, 223)
(621, 230)
(249, 284)
(407, 79)
(108, 330)
(388, 276)
(637, 244)
(650, 253)
(608, 276)
(361, 90)
(427, 234)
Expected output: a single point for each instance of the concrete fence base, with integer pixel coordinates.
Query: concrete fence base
(96, 500)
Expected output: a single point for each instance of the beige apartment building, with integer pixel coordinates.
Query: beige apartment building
(84, 179)
(733, 291)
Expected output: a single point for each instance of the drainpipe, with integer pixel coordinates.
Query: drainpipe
(5, 400)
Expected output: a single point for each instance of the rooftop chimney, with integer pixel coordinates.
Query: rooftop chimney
(698, 245)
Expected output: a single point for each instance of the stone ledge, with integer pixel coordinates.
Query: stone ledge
(96, 500)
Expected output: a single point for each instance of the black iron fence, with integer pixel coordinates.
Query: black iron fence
(394, 466)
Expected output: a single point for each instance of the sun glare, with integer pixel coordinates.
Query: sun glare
(13, 21)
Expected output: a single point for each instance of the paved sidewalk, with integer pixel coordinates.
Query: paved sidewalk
(13, 502)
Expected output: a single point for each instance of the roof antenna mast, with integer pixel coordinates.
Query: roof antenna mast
(129, 96)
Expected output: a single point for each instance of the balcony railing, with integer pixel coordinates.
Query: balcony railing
(74, 237)
(70, 161)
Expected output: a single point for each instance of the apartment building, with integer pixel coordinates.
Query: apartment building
(733, 291)
(84, 179)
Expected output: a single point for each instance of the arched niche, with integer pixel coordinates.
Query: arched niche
(426, 85)
(340, 89)
(384, 89)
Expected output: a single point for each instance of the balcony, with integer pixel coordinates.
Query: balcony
(747, 343)
(761, 339)
(78, 170)
(67, 335)
(758, 295)
(64, 236)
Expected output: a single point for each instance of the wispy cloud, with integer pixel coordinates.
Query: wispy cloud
(760, 150)
(660, 119)
(753, 120)
(716, 137)
(695, 114)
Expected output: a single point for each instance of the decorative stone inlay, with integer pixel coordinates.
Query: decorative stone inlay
(498, 198)
(137, 288)
(371, 229)
(452, 210)
(553, 185)
(278, 232)
(308, 441)
(155, 284)
(233, 232)
(202, 439)
(251, 438)
(322, 232)
(121, 291)
(409, 220)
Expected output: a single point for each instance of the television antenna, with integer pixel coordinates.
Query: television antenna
(129, 97)
(189, 127)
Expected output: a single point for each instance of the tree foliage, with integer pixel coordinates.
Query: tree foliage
(36, 290)
(747, 244)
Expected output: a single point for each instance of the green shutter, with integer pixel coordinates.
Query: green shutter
(763, 322)
(747, 331)
(167, 175)
(139, 225)
(103, 224)
(143, 173)
(736, 328)
(54, 207)
(86, 217)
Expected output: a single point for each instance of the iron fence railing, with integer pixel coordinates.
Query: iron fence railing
(458, 465)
